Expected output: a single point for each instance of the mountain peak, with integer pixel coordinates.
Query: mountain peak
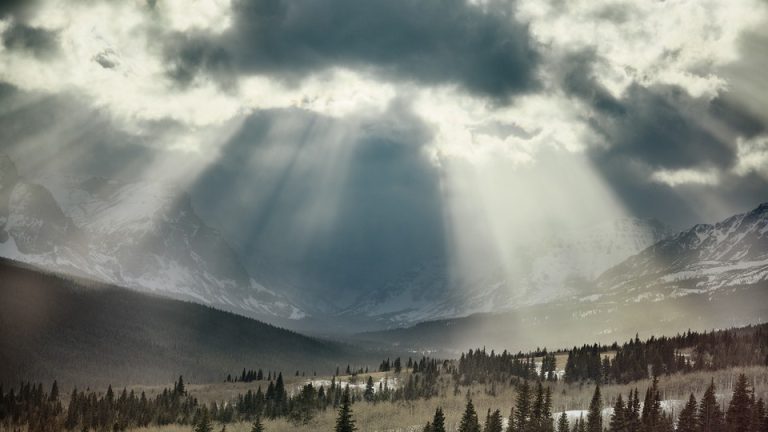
(762, 208)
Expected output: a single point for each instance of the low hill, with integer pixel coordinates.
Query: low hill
(85, 333)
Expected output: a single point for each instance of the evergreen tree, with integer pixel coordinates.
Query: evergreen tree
(651, 415)
(595, 413)
(632, 415)
(427, 427)
(204, 423)
(54, 396)
(344, 422)
(686, 422)
(562, 423)
(469, 422)
(710, 417)
(739, 414)
(179, 388)
(619, 417)
(369, 393)
(494, 422)
(538, 407)
(758, 416)
(523, 409)
(257, 426)
(511, 422)
(71, 421)
(581, 425)
(438, 421)
(547, 421)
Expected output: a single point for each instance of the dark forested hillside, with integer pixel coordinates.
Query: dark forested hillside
(80, 332)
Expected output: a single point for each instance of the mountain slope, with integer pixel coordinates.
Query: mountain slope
(710, 276)
(705, 258)
(136, 235)
(87, 333)
(558, 266)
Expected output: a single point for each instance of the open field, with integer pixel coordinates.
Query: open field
(410, 416)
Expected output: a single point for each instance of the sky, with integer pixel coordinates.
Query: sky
(349, 140)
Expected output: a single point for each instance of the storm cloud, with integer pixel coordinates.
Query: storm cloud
(481, 48)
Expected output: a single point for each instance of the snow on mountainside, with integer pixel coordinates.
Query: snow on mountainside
(730, 253)
(560, 265)
(131, 235)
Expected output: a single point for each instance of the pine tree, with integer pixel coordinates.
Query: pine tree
(469, 422)
(739, 414)
(538, 407)
(72, 420)
(618, 418)
(651, 415)
(257, 425)
(562, 423)
(54, 396)
(427, 428)
(511, 422)
(522, 413)
(344, 422)
(686, 422)
(204, 423)
(179, 388)
(595, 414)
(369, 393)
(632, 415)
(710, 417)
(438, 421)
(581, 426)
(547, 421)
(758, 416)
(494, 423)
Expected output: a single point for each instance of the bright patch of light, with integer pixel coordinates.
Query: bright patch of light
(685, 176)
(667, 42)
(338, 93)
(752, 155)
(212, 15)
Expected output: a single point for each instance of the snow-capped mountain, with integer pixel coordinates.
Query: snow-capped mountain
(558, 266)
(730, 253)
(709, 276)
(135, 235)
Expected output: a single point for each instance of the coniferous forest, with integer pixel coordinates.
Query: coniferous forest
(528, 392)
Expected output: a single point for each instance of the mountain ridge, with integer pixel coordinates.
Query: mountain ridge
(131, 235)
(84, 332)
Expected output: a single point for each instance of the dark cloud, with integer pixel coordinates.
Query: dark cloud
(484, 49)
(15, 7)
(664, 127)
(659, 126)
(38, 41)
(578, 80)
(189, 54)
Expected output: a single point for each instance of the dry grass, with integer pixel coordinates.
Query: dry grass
(403, 417)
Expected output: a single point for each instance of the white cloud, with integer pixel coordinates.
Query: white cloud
(685, 176)
(182, 15)
(752, 156)
(653, 42)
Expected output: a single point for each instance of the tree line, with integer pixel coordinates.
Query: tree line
(532, 412)
(636, 359)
